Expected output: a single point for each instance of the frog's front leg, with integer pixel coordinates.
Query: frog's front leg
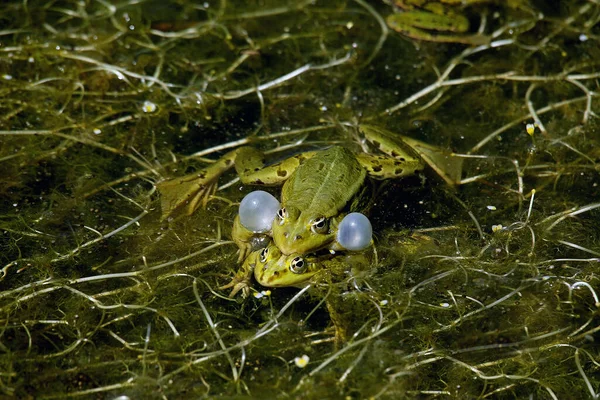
(242, 278)
(242, 237)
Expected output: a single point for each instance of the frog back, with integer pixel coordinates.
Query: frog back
(325, 183)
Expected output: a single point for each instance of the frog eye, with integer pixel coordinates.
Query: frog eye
(298, 266)
(282, 214)
(263, 254)
(319, 225)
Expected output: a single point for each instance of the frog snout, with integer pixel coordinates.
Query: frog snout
(286, 245)
(297, 237)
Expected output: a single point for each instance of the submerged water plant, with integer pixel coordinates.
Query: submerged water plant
(486, 290)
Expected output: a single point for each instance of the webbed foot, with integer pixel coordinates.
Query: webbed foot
(241, 280)
(238, 283)
(183, 195)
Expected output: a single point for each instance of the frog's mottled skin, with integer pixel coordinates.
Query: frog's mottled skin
(275, 269)
(441, 20)
(322, 187)
(271, 268)
(319, 189)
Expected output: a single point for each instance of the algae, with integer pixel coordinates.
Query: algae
(488, 290)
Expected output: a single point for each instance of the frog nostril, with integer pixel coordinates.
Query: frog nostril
(285, 234)
(298, 237)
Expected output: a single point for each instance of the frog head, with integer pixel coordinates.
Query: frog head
(296, 232)
(274, 269)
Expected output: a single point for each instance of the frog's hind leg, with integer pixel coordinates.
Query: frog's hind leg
(446, 164)
(183, 195)
(407, 156)
(384, 167)
(251, 170)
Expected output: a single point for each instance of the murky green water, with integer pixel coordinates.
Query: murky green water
(486, 290)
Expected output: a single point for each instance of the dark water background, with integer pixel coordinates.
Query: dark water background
(487, 290)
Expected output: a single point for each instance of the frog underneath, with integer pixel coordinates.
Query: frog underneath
(329, 274)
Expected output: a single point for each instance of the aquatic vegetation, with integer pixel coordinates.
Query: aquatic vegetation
(485, 290)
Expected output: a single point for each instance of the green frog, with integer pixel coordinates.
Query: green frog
(271, 268)
(319, 187)
(440, 20)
